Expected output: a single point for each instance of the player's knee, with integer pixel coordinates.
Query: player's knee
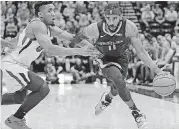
(120, 83)
(116, 76)
(115, 73)
(44, 90)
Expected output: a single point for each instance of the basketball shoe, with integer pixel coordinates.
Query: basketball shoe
(140, 119)
(16, 123)
(103, 103)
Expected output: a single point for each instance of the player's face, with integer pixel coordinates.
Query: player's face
(112, 21)
(48, 14)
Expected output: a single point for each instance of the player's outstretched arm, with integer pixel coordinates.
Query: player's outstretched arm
(132, 32)
(40, 32)
(62, 34)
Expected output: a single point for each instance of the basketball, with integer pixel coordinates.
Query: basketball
(164, 84)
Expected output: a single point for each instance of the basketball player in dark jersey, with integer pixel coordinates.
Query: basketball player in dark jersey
(112, 37)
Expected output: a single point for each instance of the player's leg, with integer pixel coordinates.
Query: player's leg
(113, 91)
(117, 76)
(13, 98)
(17, 97)
(39, 90)
(114, 74)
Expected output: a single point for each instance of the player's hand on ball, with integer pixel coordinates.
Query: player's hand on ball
(163, 73)
(164, 83)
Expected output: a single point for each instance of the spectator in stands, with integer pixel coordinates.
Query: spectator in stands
(11, 4)
(165, 59)
(176, 39)
(160, 18)
(78, 70)
(11, 27)
(23, 15)
(70, 27)
(83, 22)
(39, 63)
(59, 20)
(171, 14)
(80, 7)
(67, 65)
(60, 65)
(3, 8)
(51, 76)
(69, 10)
(131, 66)
(172, 42)
(2, 29)
(157, 10)
(176, 29)
(58, 5)
(95, 15)
(147, 17)
(91, 6)
(9, 13)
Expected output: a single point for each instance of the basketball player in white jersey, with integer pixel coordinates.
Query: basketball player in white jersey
(34, 39)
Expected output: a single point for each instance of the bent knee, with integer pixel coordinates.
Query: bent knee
(114, 73)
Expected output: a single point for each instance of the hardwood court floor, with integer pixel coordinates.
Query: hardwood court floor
(75, 110)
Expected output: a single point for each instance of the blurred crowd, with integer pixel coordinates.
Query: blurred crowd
(159, 17)
(159, 24)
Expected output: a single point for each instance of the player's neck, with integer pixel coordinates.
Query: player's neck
(44, 22)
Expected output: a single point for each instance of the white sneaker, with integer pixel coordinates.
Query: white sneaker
(140, 119)
(102, 104)
(16, 123)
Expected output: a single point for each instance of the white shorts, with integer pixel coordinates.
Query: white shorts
(15, 76)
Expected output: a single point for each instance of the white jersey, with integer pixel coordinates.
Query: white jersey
(26, 52)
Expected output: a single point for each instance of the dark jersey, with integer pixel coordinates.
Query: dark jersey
(113, 46)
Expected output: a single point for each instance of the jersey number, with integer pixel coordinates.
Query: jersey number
(112, 47)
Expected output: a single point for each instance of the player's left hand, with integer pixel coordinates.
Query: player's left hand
(163, 73)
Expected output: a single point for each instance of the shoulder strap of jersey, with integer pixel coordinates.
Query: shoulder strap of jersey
(123, 28)
(99, 24)
(35, 19)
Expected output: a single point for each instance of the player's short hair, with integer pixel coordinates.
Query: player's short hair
(39, 4)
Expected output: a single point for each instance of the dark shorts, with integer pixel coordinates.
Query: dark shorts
(121, 63)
